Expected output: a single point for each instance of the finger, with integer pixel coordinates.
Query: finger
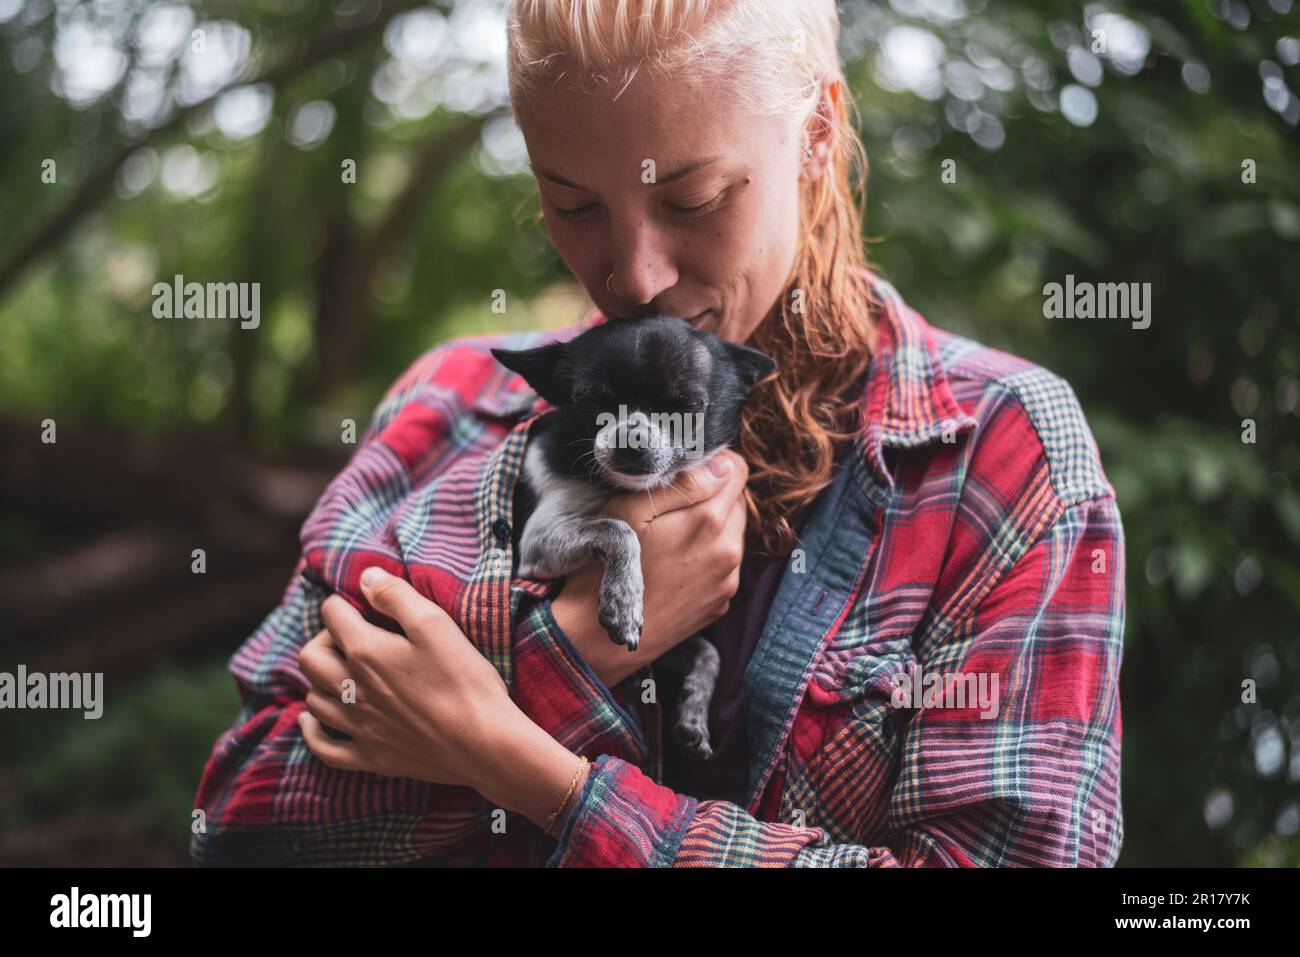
(323, 664)
(343, 755)
(730, 484)
(331, 711)
(737, 519)
(736, 460)
(712, 513)
(398, 599)
(710, 524)
(734, 482)
(345, 625)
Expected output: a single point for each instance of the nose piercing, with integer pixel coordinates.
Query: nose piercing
(609, 282)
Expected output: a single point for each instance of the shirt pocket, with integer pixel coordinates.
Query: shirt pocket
(855, 767)
(850, 669)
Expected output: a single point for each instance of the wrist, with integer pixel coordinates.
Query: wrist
(572, 801)
(611, 663)
(530, 774)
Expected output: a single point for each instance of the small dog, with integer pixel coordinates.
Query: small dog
(637, 402)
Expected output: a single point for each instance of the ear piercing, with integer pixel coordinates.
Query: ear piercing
(808, 152)
(609, 283)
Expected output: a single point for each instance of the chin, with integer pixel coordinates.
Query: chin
(638, 483)
(656, 480)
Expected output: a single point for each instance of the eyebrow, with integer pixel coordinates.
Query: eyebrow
(659, 180)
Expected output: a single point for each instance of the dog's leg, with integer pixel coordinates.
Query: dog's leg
(622, 588)
(561, 548)
(701, 665)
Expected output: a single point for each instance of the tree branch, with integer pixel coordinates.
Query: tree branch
(94, 189)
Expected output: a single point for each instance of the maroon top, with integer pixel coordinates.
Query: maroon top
(725, 776)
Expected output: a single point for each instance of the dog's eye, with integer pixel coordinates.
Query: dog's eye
(688, 403)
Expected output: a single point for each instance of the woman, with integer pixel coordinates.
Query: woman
(913, 567)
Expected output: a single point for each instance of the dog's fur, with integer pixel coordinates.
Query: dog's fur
(574, 464)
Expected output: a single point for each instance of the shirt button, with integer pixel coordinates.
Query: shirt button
(501, 529)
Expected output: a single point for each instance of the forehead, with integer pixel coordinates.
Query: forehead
(590, 138)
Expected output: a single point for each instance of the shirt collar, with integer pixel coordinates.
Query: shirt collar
(908, 402)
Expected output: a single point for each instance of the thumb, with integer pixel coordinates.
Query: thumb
(398, 599)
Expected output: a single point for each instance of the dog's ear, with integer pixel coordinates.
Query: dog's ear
(543, 368)
(752, 365)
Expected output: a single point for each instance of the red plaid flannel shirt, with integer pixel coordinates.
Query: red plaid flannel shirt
(971, 532)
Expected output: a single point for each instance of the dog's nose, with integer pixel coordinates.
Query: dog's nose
(631, 461)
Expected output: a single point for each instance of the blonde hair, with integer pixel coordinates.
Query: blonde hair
(777, 54)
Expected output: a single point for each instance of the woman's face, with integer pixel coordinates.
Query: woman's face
(689, 199)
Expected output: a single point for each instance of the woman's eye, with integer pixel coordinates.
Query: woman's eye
(702, 208)
(575, 213)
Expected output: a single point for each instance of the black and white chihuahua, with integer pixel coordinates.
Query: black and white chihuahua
(637, 403)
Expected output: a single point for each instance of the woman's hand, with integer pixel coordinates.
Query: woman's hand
(692, 542)
(427, 706)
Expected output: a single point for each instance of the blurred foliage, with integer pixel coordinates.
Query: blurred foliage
(129, 776)
(1114, 163)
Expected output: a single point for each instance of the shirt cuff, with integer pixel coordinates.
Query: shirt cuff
(623, 819)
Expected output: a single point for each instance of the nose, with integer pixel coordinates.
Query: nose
(632, 446)
(633, 461)
(642, 264)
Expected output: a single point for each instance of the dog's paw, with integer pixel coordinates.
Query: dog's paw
(621, 620)
(622, 605)
(692, 733)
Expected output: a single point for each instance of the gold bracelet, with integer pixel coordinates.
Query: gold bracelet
(582, 764)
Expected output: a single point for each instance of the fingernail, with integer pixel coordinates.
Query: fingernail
(719, 465)
(373, 576)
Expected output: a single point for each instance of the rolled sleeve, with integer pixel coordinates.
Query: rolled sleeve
(623, 819)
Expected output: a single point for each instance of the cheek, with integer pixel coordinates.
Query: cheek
(769, 233)
(769, 242)
(576, 248)
(784, 223)
(739, 248)
(765, 239)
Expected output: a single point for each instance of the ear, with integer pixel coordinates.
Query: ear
(820, 131)
(543, 368)
(752, 365)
